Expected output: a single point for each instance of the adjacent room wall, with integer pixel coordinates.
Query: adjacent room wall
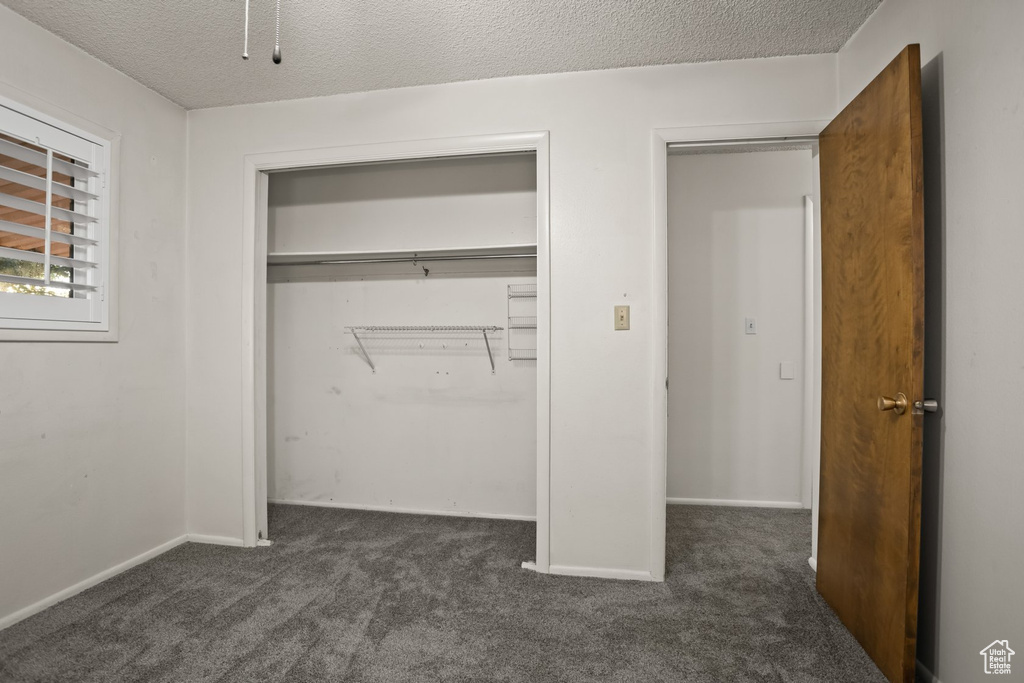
(736, 251)
(432, 429)
(973, 105)
(91, 466)
(602, 253)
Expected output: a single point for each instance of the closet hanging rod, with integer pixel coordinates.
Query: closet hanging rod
(303, 258)
(405, 259)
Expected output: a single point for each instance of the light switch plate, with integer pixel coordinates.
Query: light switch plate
(786, 370)
(750, 325)
(622, 317)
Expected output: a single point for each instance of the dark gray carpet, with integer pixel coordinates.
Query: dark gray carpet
(362, 596)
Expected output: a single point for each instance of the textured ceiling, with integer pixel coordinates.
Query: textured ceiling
(190, 50)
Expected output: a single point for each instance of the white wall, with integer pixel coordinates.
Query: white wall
(973, 102)
(736, 251)
(478, 201)
(432, 429)
(602, 251)
(91, 466)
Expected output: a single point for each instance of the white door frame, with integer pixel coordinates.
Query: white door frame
(254, 302)
(712, 137)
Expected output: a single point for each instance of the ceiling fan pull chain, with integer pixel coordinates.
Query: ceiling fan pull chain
(277, 35)
(245, 50)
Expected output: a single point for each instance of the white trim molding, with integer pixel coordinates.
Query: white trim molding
(215, 540)
(925, 675)
(405, 511)
(603, 573)
(728, 502)
(661, 139)
(254, 263)
(93, 580)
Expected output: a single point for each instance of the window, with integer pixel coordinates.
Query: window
(54, 225)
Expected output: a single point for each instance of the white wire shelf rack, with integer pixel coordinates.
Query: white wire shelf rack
(425, 328)
(356, 330)
(522, 298)
(522, 291)
(522, 322)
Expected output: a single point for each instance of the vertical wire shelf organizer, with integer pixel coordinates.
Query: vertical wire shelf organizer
(522, 328)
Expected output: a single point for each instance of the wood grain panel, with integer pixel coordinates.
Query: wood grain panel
(872, 345)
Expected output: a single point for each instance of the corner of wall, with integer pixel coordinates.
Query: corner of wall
(185, 327)
(925, 675)
(837, 84)
(841, 100)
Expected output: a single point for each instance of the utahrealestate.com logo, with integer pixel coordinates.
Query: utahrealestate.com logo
(997, 657)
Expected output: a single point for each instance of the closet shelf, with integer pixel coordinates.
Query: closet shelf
(522, 322)
(310, 258)
(522, 291)
(356, 330)
(424, 328)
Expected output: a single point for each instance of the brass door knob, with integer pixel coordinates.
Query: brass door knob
(898, 404)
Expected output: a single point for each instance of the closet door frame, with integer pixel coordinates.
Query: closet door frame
(254, 301)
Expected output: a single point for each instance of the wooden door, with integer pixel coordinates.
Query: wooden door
(872, 351)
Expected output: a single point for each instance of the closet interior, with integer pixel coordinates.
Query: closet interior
(401, 336)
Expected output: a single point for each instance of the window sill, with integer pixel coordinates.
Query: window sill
(104, 336)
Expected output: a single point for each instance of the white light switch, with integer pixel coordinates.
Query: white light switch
(622, 317)
(750, 325)
(786, 370)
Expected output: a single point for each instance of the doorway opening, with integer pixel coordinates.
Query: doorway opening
(740, 281)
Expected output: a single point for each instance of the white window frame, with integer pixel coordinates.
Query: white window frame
(102, 325)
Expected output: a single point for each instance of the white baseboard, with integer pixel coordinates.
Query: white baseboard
(601, 573)
(924, 674)
(813, 561)
(35, 608)
(726, 502)
(215, 540)
(405, 511)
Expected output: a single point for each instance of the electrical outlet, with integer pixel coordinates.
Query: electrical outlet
(622, 317)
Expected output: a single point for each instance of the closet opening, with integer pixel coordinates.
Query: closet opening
(404, 323)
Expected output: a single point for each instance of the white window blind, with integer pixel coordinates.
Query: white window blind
(54, 251)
